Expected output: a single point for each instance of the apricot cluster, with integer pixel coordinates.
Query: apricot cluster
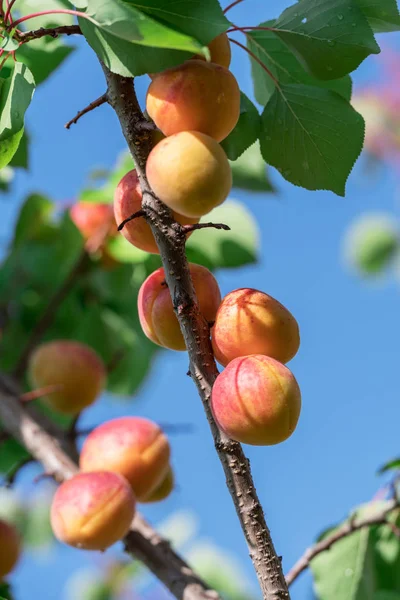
(122, 461)
(194, 106)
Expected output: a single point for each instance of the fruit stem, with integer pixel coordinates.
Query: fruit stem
(7, 16)
(64, 11)
(258, 60)
(136, 215)
(232, 5)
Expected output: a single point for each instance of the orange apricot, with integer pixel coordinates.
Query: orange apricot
(134, 447)
(75, 370)
(220, 51)
(190, 172)
(156, 312)
(251, 322)
(92, 511)
(10, 548)
(127, 201)
(256, 400)
(163, 490)
(195, 96)
(92, 218)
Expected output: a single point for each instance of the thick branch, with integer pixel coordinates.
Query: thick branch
(170, 238)
(95, 104)
(53, 32)
(380, 517)
(142, 541)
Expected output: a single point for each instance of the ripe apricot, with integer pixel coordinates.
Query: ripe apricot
(190, 172)
(195, 96)
(163, 490)
(251, 322)
(10, 548)
(156, 312)
(127, 201)
(131, 446)
(220, 51)
(75, 370)
(92, 511)
(92, 218)
(256, 400)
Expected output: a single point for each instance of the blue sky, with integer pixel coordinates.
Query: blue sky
(347, 366)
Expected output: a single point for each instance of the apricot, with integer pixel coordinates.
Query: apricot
(256, 400)
(220, 51)
(74, 367)
(131, 446)
(190, 172)
(195, 96)
(10, 548)
(156, 312)
(127, 201)
(251, 322)
(163, 490)
(92, 218)
(92, 511)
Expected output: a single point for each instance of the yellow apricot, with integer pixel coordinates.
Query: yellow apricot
(220, 51)
(256, 400)
(127, 201)
(195, 96)
(75, 370)
(92, 511)
(156, 312)
(190, 172)
(163, 490)
(251, 322)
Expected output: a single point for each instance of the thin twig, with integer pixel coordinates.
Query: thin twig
(232, 5)
(95, 104)
(142, 541)
(349, 527)
(136, 215)
(49, 313)
(195, 226)
(258, 60)
(53, 32)
(195, 329)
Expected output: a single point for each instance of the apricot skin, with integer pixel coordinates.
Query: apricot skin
(156, 312)
(127, 201)
(195, 96)
(190, 172)
(92, 218)
(131, 446)
(92, 511)
(256, 400)
(251, 322)
(10, 548)
(163, 490)
(220, 51)
(75, 367)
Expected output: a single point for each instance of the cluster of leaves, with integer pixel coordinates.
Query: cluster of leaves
(301, 65)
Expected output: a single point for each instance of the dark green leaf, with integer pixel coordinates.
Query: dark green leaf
(21, 157)
(43, 56)
(284, 66)
(246, 131)
(11, 455)
(9, 147)
(392, 465)
(15, 96)
(5, 591)
(330, 37)
(312, 136)
(249, 172)
(383, 15)
(223, 249)
(35, 212)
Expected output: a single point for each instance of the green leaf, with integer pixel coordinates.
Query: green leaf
(12, 453)
(223, 249)
(246, 131)
(35, 212)
(383, 16)
(128, 59)
(392, 465)
(330, 37)
(284, 66)
(9, 147)
(386, 595)
(122, 251)
(312, 136)
(43, 56)
(5, 591)
(15, 96)
(21, 156)
(249, 172)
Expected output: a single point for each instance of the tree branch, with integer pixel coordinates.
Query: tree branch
(170, 238)
(86, 110)
(53, 32)
(142, 541)
(378, 518)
